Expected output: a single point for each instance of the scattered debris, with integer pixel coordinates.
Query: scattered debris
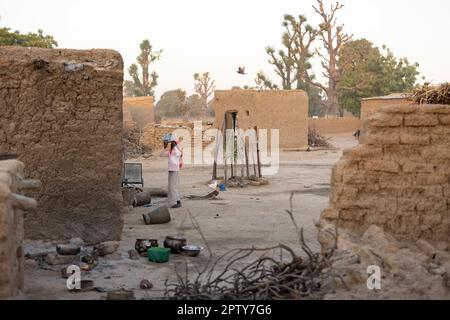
(57, 259)
(105, 248)
(85, 285)
(145, 284)
(209, 196)
(121, 294)
(133, 254)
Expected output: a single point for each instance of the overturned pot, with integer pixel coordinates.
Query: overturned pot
(157, 216)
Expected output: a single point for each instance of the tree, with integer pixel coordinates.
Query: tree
(195, 106)
(144, 83)
(172, 104)
(333, 38)
(292, 62)
(365, 71)
(204, 86)
(8, 38)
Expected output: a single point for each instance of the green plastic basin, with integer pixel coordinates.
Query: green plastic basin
(158, 254)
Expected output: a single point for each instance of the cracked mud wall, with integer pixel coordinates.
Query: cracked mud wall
(286, 110)
(398, 178)
(11, 231)
(62, 116)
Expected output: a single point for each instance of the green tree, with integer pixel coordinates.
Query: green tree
(143, 83)
(365, 71)
(31, 39)
(172, 104)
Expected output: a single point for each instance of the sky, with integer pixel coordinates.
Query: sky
(218, 36)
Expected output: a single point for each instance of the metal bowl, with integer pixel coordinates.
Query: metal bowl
(192, 251)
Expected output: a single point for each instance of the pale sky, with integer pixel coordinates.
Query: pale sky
(218, 36)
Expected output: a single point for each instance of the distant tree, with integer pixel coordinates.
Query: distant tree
(333, 38)
(143, 83)
(365, 71)
(292, 62)
(195, 106)
(31, 39)
(172, 104)
(204, 86)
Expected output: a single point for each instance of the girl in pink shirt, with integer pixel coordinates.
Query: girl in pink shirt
(173, 151)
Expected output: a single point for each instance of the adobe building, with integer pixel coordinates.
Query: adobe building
(138, 111)
(286, 110)
(62, 117)
(371, 105)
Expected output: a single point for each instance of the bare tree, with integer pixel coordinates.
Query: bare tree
(333, 38)
(204, 86)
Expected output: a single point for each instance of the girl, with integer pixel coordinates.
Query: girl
(173, 151)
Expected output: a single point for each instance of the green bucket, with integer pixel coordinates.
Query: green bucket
(158, 254)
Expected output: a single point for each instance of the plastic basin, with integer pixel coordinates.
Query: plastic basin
(158, 254)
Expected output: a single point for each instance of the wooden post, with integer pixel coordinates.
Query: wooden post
(246, 157)
(225, 149)
(257, 153)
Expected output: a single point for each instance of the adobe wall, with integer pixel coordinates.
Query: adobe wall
(11, 231)
(372, 105)
(153, 135)
(398, 178)
(271, 109)
(335, 125)
(62, 116)
(138, 110)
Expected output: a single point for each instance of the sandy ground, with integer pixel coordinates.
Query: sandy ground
(243, 217)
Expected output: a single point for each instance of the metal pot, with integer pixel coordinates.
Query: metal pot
(175, 244)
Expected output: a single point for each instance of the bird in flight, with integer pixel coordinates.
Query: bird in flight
(241, 70)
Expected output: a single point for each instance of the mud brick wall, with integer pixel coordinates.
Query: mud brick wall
(62, 116)
(286, 110)
(11, 231)
(399, 176)
(153, 135)
(335, 125)
(140, 110)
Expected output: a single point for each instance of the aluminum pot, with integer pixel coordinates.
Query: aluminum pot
(175, 243)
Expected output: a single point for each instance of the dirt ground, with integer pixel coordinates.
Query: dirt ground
(243, 217)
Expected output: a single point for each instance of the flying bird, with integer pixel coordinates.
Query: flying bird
(241, 70)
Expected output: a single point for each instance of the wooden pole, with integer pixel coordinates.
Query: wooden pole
(225, 149)
(257, 153)
(246, 157)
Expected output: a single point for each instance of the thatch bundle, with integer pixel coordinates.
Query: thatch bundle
(429, 94)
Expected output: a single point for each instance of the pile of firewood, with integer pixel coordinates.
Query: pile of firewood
(256, 274)
(429, 94)
(315, 139)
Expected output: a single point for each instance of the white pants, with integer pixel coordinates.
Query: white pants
(173, 193)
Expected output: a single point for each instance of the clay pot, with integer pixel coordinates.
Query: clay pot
(175, 243)
(157, 216)
(142, 245)
(68, 249)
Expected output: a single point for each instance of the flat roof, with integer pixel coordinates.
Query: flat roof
(388, 97)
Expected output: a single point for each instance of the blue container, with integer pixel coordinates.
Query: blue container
(222, 187)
